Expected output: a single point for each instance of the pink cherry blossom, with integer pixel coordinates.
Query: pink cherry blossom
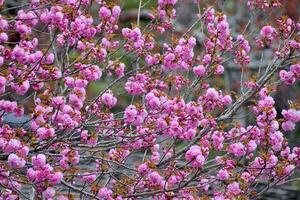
(49, 193)
(15, 161)
(234, 188)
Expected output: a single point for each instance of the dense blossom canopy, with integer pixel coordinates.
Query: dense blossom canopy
(176, 138)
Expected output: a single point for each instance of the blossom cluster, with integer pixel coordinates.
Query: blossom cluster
(159, 125)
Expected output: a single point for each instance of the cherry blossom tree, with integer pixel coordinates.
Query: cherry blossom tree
(177, 137)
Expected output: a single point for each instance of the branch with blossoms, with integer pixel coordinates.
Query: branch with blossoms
(162, 125)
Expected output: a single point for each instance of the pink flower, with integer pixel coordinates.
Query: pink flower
(218, 139)
(126, 32)
(92, 73)
(251, 146)
(49, 193)
(152, 101)
(219, 69)
(55, 178)
(38, 160)
(101, 54)
(199, 70)
(92, 141)
(69, 81)
(192, 41)
(226, 100)
(223, 174)
(190, 134)
(45, 133)
(84, 135)
(267, 31)
(49, 59)
(8, 106)
(23, 151)
(244, 43)
(23, 29)
(18, 53)
(143, 169)
(204, 184)
(57, 101)
(81, 46)
(135, 34)
(3, 37)
(155, 148)
(247, 177)
(23, 87)
(15, 161)
(64, 162)
(80, 84)
(120, 70)
(287, 77)
(134, 116)
(105, 193)
(116, 10)
(234, 188)
(34, 1)
(295, 69)
(195, 157)
(2, 84)
(173, 180)
(289, 169)
(276, 140)
(108, 99)
(18, 111)
(136, 84)
(168, 61)
(206, 59)
(272, 161)
(161, 123)
(288, 126)
(3, 142)
(291, 115)
(31, 174)
(223, 29)
(3, 24)
(155, 178)
(104, 13)
(237, 149)
(89, 178)
(12, 146)
(152, 60)
(155, 158)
